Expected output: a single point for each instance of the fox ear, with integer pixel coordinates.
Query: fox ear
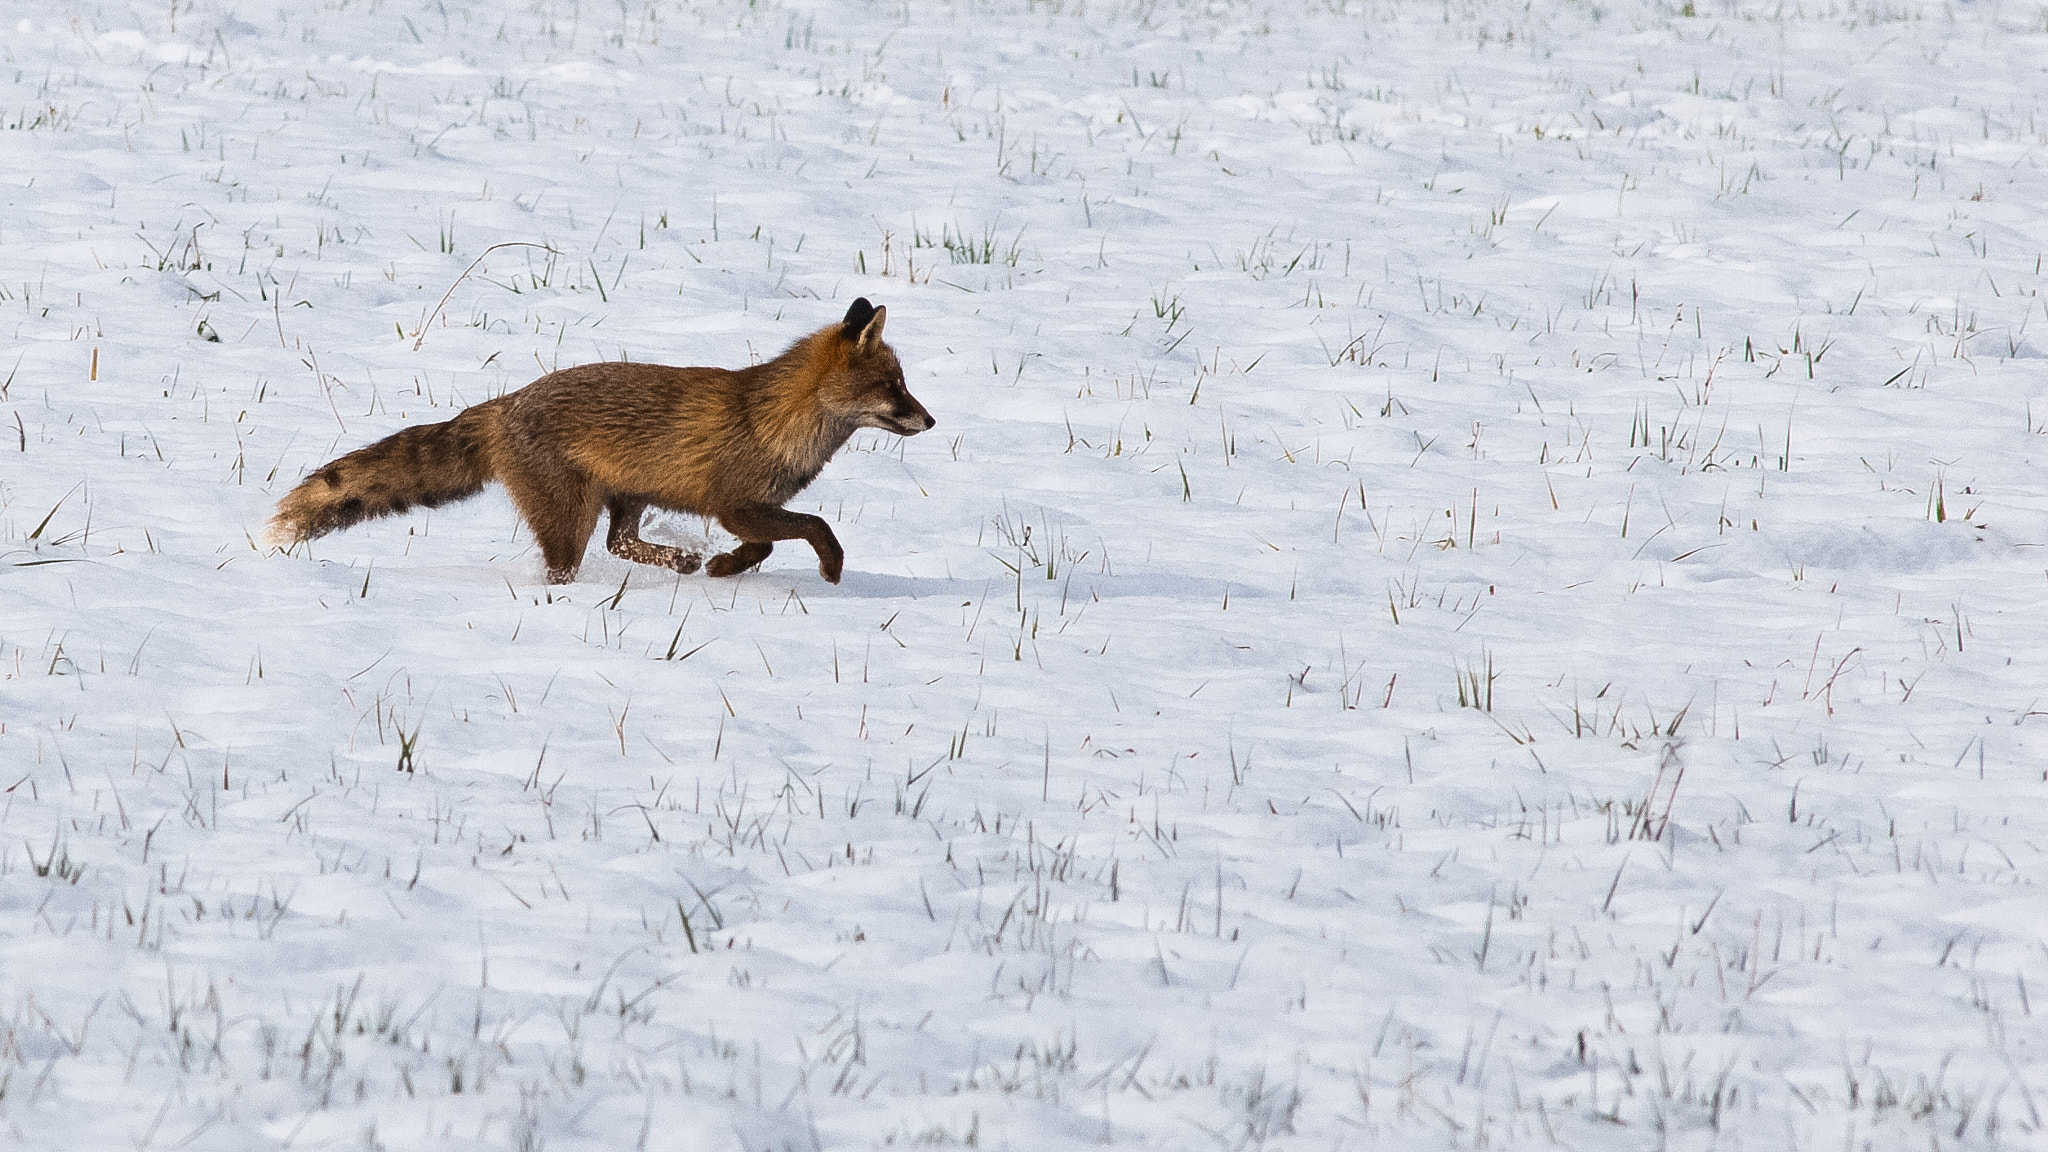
(863, 324)
(857, 318)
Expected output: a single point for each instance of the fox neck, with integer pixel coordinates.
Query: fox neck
(794, 425)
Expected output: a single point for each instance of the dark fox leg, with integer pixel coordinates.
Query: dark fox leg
(561, 508)
(623, 540)
(760, 525)
(739, 559)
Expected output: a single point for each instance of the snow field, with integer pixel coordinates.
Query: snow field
(1476, 582)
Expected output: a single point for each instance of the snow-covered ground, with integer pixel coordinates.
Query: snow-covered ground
(1478, 583)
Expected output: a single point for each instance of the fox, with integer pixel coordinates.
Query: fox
(731, 444)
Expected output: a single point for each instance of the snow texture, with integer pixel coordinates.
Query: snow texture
(1478, 582)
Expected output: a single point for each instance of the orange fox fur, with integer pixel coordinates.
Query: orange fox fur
(622, 437)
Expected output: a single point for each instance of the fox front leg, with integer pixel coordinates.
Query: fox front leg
(622, 539)
(745, 556)
(760, 526)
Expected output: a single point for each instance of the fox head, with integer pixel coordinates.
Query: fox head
(869, 391)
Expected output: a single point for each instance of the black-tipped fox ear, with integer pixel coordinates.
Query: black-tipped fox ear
(857, 318)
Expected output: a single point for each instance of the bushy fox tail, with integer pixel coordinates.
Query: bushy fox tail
(424, 466)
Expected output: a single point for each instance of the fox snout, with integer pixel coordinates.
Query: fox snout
(909, 417)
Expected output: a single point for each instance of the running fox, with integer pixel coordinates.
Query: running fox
(623, 437)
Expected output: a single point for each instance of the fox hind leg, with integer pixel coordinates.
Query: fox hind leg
(623, 540)
(563, 538)
(760, 525)
(562, 511)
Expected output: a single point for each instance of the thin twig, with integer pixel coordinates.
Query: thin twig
(420, 337)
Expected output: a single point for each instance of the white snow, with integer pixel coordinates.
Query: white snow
(1478, 582)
